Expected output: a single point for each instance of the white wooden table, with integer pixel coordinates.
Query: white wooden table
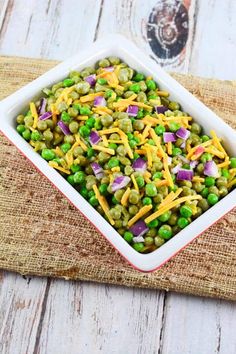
(65, 317)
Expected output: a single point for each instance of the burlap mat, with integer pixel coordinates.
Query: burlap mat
(42, 234)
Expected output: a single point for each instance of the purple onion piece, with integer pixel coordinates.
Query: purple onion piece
(183, 145)
(65, 129)
(137, 239)
(161, 109)
(211, 169)
(91, 79)
(176, 169)
(183, 133)
(109, 68)
(185, 175)
(169, 137)
(94, 137)
(132, 110)
(99, 101)
(193, 164)
(45, 116)
(42, 106)
(182, 158)
(97, 170)
(139, 165)
(139, 228)
(169, 160)
(119, 183)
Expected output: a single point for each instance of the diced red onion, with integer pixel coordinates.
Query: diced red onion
(199, 151)
(119, 183)
(169, 160)
(183, 133)
(109, 68)
(137, 239)
(193, 164)
(42, 106)
(185, 175)
(182, 158)
(183, 145)
(98, 170)
(64, 127)
(139, 165)
(45, 116)
(94, 137)
(91, 79)
(176, 169)
(99, 101)
(139, 228)
(169, 137)
(132, 110)
(211, 169)
(161, 109)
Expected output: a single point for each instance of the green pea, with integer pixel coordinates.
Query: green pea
(68, 82)
(212, 198)
(160, 129)
(48, 154)
(221, 181)
(173, 219)
(148, 241)
(203, 204)
(165, 216)
(90, 152)
(26, 134)
(113, 146)
(42, 125)
(135, 88)
(182, 222)
(84, 131)
(209, 181)
(84, 110)
(176, 151)
(151, 85)
(48, 135)
(165, 232)
(103, 188)
(133, 209)
(84, 192)
(70, 179)
(233, 162)
(79, 177)
(35, 136)
(75, 168)
(151, 190)
(106, 120)
(140, 181)
(205, 192)
(74, 126)
(186, 211)
(140, 114)
(90, 122)
(29, 121)
(20, 128)
(113, 162)
(72, 112)
(153, 223)
(114, 200)
(196, 128)
(65, 147)
(65, 117)
(82, 87)
(159, 241)
(102, 81)
(139, 246)
(174, 106)
(206, 157)
(20, 119)
(108, 93)
(98, 124)
(134, 196)
(223, 191)
(214, 190)
(128, 236)
(157, 175)
(225, 173)
(138, 77)
(174, 126)
(93, 201)
(205, 138)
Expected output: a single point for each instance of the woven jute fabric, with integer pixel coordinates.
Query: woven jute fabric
(42, 234)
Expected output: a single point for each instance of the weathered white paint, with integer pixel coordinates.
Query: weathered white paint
(105, 319)
(21, 302)
(78, 317)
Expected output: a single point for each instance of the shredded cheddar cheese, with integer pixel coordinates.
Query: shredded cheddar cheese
(125, 197)
(34, 114)
(55, 165)
(170, 198)
(104, 149)
(134, 183)
(80, 142)
(143, 211)
(103, 202)
(91, 96)
(170, 206)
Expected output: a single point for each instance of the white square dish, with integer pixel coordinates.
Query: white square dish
(117, 45)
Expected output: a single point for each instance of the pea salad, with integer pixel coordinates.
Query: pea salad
(129, 150)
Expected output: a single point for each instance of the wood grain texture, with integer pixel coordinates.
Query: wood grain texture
(67, 317)
(106, 319)
(21, 303)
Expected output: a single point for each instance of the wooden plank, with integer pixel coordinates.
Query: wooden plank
(194, 325)
(22, 302)
(152, 26)
(214, 44)
(49, 29)
(100, 319)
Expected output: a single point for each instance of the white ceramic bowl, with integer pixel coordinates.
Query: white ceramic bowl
(119, 46)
